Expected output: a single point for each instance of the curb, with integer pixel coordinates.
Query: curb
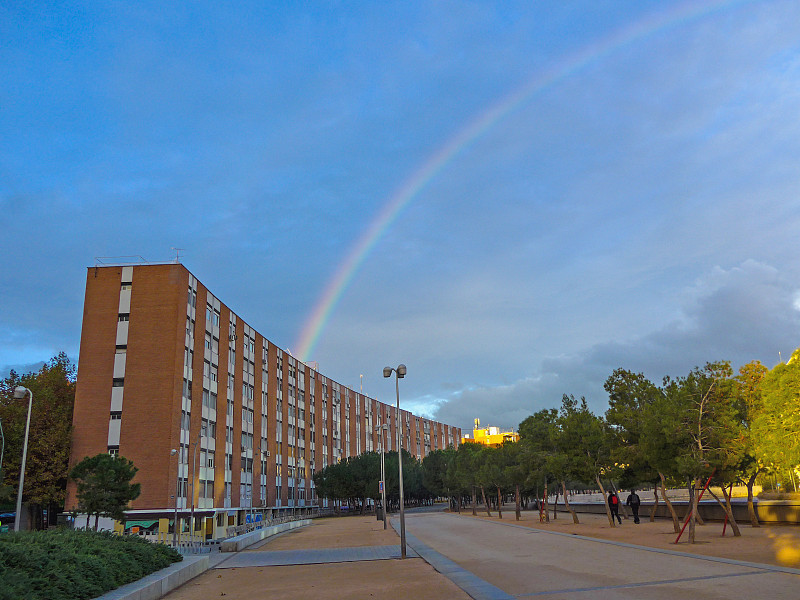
(160, 583)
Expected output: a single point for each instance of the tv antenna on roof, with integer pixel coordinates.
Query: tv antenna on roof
(177, 254)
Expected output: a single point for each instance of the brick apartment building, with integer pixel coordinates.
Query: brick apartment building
(165, 365)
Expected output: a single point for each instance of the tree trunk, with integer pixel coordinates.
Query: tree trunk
(693, 507)
(499, 504)
(544, 504)
(474, 502)
(566, 503)
(605, 502)
(485, 503)
(555, 505)
(96, 519)
(751, 509)
(728, 510)
(676, 525)
(516, 501)
(655, 504)
(622, 505)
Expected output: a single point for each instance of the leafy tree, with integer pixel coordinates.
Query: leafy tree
(707, 428)
(104, 485)
(465, 473)
(751, 407)
(492, 473)
(586, 441)
(661, 440)
(542, 436)
(630, 398)
(435, 468)
(514, 470)
(47, 464)
(776, 427)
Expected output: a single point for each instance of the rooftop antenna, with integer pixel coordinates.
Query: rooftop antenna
(779, 357)
(177, 255)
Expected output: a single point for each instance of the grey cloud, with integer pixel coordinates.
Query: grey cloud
(739, 314)
(5, 371)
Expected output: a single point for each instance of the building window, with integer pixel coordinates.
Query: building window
(116, 415)
(118, 382)
(124, 317)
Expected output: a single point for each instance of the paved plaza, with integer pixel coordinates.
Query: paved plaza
(467, 557)
(525, 562)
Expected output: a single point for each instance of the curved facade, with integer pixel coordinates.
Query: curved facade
(165, 365)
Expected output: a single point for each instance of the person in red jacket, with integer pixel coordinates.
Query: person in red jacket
(613, 504)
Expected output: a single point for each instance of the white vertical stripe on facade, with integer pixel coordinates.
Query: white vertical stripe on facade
(116, 399)
(127, 274)
(125, 301)
(113, 431)
(119, 364)
(122, 333)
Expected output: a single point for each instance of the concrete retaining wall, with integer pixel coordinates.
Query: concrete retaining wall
(160, 583)
(240, 542)
(768, 511)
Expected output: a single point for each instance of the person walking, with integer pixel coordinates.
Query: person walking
(634, 502)
(613, 504)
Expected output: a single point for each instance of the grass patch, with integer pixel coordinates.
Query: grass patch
(63, 564)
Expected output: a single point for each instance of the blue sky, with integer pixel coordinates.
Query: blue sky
(640, 211)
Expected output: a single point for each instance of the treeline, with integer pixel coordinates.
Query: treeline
(354, 480)
(709, 426)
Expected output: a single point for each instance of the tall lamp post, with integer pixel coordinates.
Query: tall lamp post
(383, 428)
(173, 452)
(19, 393)
(194, 467)
(399, 372)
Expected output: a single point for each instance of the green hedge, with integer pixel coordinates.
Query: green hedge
(74, 565)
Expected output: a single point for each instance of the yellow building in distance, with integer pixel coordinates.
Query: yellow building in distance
(489, 436)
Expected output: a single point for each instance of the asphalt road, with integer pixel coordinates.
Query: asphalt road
(528, 563)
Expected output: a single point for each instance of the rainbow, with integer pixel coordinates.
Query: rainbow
(315, 323)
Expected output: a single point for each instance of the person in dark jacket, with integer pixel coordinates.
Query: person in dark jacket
(613, 504)
(634, 502)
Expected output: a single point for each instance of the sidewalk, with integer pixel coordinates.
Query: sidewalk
(360, 543)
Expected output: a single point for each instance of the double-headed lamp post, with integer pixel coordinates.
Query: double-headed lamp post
(399, 372)
(19, 393)
(383, 428)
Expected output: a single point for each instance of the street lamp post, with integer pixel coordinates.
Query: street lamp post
(383, 428)
(19, 393)
(173, 452)
(194, 467)
(399, 372)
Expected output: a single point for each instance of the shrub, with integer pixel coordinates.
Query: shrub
(74, 565)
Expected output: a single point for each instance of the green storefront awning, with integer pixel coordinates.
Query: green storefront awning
(142, 524)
